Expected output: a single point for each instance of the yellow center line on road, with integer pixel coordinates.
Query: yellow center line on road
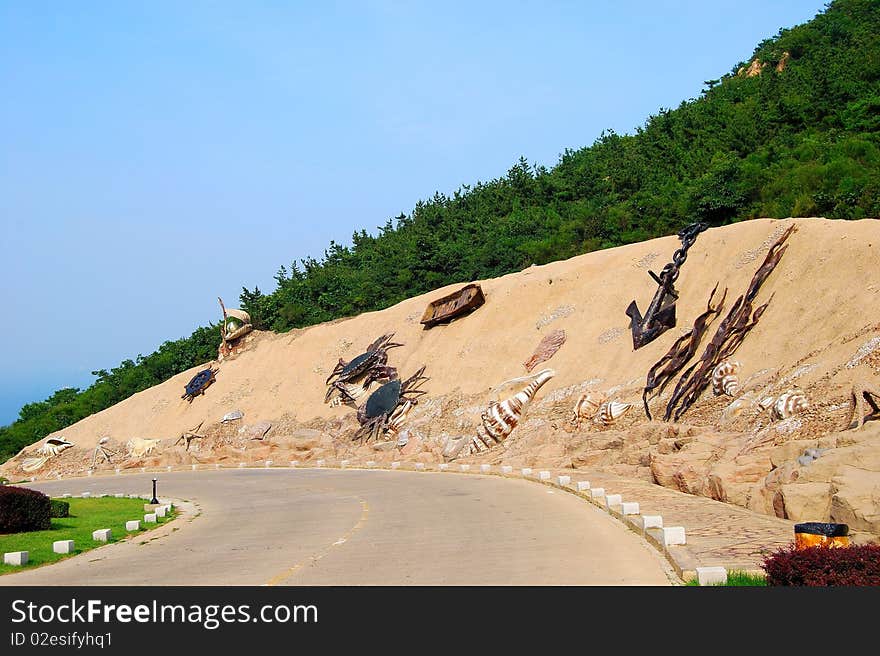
(365, 511)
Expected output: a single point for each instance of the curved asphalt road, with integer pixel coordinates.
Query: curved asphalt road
(359, 527)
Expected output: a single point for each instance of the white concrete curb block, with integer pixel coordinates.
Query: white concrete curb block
(63, 546)
(583, 485)
(563, 480)
(464, 467)
(117, 471)
(294, 463)
(629, 508)
(86, 495)
(443, 466)
(150, 518)
(320, 463)
(15, 558)
(119, 495)
(194, 467)
(420, 466)
(711, 575)
(66, 495)
(485, 469)
(395, 465)
(526, 471)
(133, 525)
(102, 535)
(651, 521)
(544, 475)
(613, 500)
(669, 535)
(370, 464)
(343, 464)
(597, 492)
(168, 468)
(241, 464)
(268, 463)
(506, 469)
(161, 512)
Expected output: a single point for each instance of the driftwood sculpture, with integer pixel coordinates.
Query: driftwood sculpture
(863, 392)
(190, 435)
(729, 336)
(682, 350)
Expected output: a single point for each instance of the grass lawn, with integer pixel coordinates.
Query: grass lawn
(736, 578)
(86, 515)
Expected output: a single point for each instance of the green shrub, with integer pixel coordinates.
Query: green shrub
(59, 508)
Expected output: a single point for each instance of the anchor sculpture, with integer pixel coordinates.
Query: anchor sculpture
(660, 315)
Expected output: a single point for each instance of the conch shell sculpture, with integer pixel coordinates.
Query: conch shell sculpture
(725, 379)
(611, 411)
(586, 407)
(50, 448)
(498, 421)
(789, 404)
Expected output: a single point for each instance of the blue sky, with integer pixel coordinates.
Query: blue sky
(155, 156)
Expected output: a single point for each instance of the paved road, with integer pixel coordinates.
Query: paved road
(360, 527)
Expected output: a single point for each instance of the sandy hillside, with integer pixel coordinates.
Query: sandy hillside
(820, 332)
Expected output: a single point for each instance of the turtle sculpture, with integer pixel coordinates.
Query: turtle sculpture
(199, 383)
(386, 409)
(368, 367)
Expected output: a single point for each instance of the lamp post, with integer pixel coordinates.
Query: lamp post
(154, 499)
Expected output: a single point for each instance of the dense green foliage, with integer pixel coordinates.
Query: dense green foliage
(69, 405)
(798, 139)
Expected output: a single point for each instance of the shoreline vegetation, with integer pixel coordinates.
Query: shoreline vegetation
(792, 132)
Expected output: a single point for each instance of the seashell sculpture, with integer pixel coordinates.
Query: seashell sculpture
(725, 379)
(790, 403)
(53, 446)
(232, 416)
(586, 407)
(352, 392)
(50, 448)
(611, 411)
(499, 420)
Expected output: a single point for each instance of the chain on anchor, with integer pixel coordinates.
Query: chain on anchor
(660, 315)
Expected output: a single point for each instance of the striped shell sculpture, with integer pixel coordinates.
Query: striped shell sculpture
(498, 421)
(587, 407)
(598, 408)
(725, 379)
(610, 412)
(790, 403)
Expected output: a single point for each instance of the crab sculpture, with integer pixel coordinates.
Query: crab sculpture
(368, 367)
(199, 383)
(386, 409)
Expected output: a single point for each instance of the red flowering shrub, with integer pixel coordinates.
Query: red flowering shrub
(22, 509)
(824, 566)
